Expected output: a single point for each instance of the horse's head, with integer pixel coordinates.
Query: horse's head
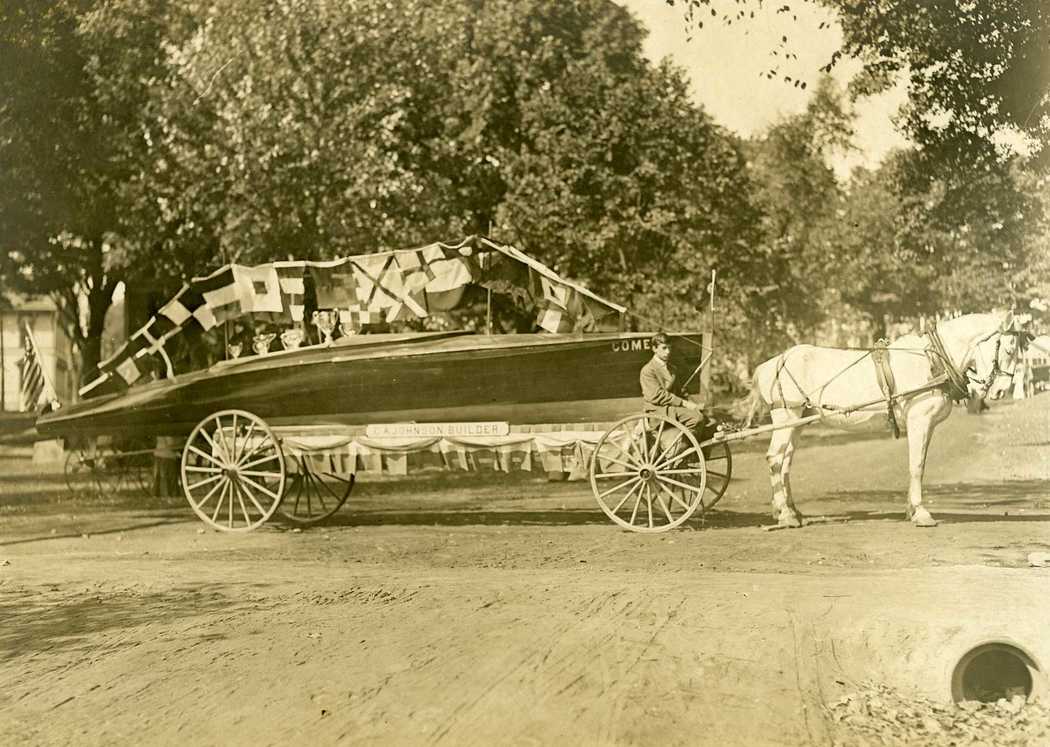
(997, 357)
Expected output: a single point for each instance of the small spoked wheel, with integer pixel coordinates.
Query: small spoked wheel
(648, 473)
(79, 473)
(233, 471)
(313, 495)
(111, 470)
(719, 463)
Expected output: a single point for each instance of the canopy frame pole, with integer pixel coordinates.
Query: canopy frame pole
(705, 373)
(488, 311)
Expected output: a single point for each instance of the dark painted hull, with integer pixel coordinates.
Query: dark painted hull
(521, 379)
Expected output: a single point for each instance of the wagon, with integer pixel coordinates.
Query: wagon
(248, 422)
(648, 473)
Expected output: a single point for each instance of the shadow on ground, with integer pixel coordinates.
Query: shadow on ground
(1033, 494)
(36, 622)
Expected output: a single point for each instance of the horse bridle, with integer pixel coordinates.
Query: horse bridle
(960, 381)
(1023, 338)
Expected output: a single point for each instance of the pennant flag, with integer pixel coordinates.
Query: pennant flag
(190, 300)
(31, 370)
(555, 320)
(406, 280)
(554, 293)
(336, 283)
(223, 295)
(293, 288)
(372, 271)
(261, 289)
(129, 370)
(415, 270)
(112, 364)
(158, 329)
(451, 275)
(176, 310)
(355, 317)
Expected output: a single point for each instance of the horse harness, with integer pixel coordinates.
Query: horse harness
(884, 375)
(943, 375)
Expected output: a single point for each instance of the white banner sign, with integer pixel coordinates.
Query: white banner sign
(424, 430)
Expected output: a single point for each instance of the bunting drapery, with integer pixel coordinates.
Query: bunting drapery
(365, 289)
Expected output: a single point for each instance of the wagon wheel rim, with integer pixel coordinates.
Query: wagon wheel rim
(648, 474)
(313, 495)
(109, 469)
(79, 473)
(233, 471)
(140, 473)
(719, 467)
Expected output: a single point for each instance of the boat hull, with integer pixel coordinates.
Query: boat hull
(520, 379)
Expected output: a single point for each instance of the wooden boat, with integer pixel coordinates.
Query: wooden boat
(421, 377)
(361, 379)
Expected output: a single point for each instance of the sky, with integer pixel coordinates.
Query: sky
(725, 65)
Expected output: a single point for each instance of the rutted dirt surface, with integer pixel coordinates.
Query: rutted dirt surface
(465, 609)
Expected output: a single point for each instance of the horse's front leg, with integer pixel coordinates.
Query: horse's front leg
(781, 449)
(922, 419)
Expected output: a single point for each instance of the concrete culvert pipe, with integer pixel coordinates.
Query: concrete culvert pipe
(994, 670)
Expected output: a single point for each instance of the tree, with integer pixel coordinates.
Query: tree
(904, 253)
(797, 193)
(69, 102)
(322, 128)
(975, 70)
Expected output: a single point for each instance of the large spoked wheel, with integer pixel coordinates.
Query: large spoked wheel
(648, 473)
(719, 463)
(233, 471)
(313, 495)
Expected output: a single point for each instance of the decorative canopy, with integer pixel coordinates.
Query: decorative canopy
(365, 289)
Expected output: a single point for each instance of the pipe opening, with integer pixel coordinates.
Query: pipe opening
(992, 671)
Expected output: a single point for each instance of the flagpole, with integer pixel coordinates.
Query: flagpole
(40, 362)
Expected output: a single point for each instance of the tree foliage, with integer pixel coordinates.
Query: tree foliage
(975, 70)
(797, 193)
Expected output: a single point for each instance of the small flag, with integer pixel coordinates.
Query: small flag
(293, 288)
(176, 310)
(555, 293)
(191, 299)
(415, 270)
(261, 289)
(372, 280)
(223, 295)
(128, 370)
(336, 284)
(33, 380)
(355, 317)
(555, 320)
(452, 275)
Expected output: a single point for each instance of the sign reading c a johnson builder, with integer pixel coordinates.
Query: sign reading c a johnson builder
(434, 430)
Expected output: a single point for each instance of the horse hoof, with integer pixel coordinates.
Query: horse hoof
(790, 521)
(921, 518)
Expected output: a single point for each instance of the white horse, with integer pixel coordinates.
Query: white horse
(913, 389)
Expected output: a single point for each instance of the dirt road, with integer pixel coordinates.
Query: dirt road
(462, 609)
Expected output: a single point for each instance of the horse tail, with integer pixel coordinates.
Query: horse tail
(756, 403)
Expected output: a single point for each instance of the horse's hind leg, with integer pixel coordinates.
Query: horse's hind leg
(781, 449)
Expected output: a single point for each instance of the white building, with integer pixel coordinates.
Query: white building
(56, 349)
